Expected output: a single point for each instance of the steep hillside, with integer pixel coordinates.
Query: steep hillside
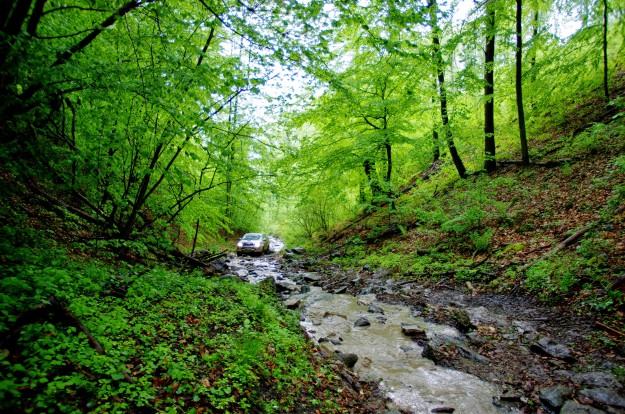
(555, 229)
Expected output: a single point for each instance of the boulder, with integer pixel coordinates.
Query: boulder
(292, 303)
(413, 330)
(375, 309)
(340, 290)
(362, 321)
(572, 407)
(605, 396)
(312, 277)
(549, 347)
(348, 359)
(438, 350)
(554, 397)
(597, 379)
(284, 285)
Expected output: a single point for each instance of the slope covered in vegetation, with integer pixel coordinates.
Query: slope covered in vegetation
(554, 230)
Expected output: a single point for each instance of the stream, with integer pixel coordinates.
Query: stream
(385, 353)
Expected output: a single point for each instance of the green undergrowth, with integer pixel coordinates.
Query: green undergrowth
(496, 230)
(171, 342)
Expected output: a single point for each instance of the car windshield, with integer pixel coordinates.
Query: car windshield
(251, 236)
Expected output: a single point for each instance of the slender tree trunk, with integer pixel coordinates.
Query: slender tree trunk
(438, 58)
(519, 85)
(373, 181)
(197, 230)
(489, 89)
(437, 149)
(606, 91)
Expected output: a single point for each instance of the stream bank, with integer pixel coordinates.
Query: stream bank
(483, 353)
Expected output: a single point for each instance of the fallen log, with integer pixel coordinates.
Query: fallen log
(569, 240)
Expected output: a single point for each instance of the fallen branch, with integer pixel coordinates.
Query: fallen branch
(569, 240)
(546, 164)
(606, 327)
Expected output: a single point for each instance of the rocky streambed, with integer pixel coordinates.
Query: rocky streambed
(444, 349)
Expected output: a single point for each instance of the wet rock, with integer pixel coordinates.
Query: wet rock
(572, 407)
(524, 327)
(340, 290)
(441, 348)
(311, 277)
(362, 321)
(511, 397)
(242, 273)
(292, 303)
(461, 320)
(298, 250)
(605, 396)
(366, 300)
(219, 266)
(355, 281)
(547, 346)
(413, 330)
(380, 273)
(348, 359)
(375, 309)
(597, 379)
(443, 410)
(554, 397)
(284, 285)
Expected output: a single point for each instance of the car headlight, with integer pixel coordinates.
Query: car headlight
(240, 244)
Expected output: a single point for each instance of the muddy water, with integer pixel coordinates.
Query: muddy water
(384, 352)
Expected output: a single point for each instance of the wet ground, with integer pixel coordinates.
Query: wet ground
(445, 349)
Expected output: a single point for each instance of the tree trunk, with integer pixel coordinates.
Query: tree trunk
(373, 181)
(438, 58)
(606, 91)
(437, 149)
(519, 85)
(489, 89)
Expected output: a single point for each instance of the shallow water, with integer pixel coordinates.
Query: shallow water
(384, 353)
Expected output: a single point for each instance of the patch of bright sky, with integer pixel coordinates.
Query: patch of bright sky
(288, 85)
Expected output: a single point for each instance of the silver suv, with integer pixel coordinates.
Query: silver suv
(253, 243)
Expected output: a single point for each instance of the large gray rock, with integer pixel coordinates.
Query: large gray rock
(549, 347)
(554, 397)
(292, 303)
(435, 350)
(597, 379)
(375, 309)
(572, 407)
(605, 396)
(311, 277)
(362, 321)
(413, 330)
(348, 359)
